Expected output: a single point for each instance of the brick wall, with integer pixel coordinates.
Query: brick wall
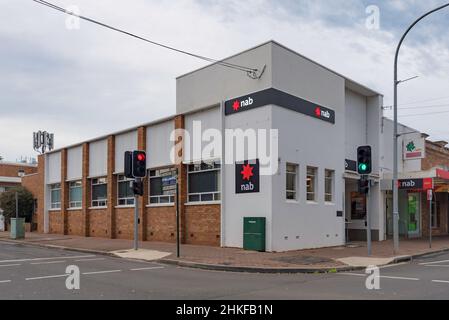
(203, 225)
(12, 170)
(436, 156)
(161, 224)
(56, 222)
(124, 221)
(35, 184)
(442, 198)
(75, 222)
(98, 223)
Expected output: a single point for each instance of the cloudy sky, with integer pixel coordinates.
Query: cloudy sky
(80, 83)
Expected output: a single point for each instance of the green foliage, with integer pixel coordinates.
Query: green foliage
(8, 203)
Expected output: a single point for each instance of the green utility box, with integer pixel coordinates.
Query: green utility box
(254, 230)
(17, 228)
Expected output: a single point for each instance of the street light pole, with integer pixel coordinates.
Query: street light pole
(396, 136)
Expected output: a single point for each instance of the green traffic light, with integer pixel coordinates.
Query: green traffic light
(363, 167)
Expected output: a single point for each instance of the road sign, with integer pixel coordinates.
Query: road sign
(429, 195)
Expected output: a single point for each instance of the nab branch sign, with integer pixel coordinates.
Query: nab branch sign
(247, 177)
(281, 99)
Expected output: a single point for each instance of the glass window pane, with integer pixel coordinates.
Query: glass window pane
(291, 185)
(156, 186)
(203, 182)
(75, 194)
(99, 192)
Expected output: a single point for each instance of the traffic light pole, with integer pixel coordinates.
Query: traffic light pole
(178, 240)
(368, 219)
(136, 218)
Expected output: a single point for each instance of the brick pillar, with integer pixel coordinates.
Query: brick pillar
(40, 193)
(112, 188)
(182, 174)
(64, 192)
(142, 145)
(86, 198)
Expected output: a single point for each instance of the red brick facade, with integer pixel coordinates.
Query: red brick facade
(199, 224)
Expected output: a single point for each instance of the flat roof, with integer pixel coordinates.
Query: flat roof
(18, 164)
(351, 84)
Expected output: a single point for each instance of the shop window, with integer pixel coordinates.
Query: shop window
(99, 192)
(125, 192)
(204, 182)
(75, 194)
(291, 181)
(358, 206)
(311, 183)
(55, 196)
(329, 185)
(162, 186)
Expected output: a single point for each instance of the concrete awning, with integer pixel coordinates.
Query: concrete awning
(439, 176)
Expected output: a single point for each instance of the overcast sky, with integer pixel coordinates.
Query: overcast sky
(80, 83)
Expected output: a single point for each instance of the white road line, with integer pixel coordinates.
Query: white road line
(43, 259)
(399, 278)
(47, 277)
(440, 281)
(101, 272)
(10, 265)
(150, 268)
(437, 265)
(83, 260)
(433, 262)
(382, 277)
(48, 262)
(5, 281)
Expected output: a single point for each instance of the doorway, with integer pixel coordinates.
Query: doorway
(414, 215)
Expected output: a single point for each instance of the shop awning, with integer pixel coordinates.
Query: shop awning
(439, 177)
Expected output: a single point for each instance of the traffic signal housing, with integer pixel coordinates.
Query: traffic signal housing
(363, 186)
(364, 160)
(139, 161)
(138, 188)
(135, 164)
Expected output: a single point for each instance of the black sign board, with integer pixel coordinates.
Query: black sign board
(350, 165)
(281, 99)
(247, 177)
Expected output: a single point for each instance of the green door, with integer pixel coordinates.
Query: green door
(414, 215)
(254, 234)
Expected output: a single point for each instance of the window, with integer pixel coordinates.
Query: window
(311, 183)
(75, 194)
(291, 181)
(328, 185)
(162, 186)
(125, 196)
(55, 196)
(204, 182)
(436, 211)
(99, 192)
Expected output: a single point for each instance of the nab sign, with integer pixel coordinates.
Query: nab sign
(247, 177)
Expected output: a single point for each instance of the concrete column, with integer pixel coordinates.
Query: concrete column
(182, 174)
(64, 193)
(112, 188)
(143, 201)
(86, 197)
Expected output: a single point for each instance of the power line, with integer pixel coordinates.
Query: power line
(251, 72)
(423, 114)
(426, 107)
(428, 100)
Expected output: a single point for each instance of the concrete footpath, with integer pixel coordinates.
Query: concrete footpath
(351, 257)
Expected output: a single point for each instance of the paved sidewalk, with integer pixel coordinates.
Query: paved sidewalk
(325, 259)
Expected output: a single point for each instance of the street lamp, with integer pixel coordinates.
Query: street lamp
(395, 138)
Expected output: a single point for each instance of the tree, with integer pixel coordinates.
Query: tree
(8, 203)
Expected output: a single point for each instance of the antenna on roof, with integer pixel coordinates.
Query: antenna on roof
(43, 141)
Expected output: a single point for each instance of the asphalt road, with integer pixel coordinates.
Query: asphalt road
(28, 272)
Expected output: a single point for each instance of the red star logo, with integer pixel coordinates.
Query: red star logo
(247, 172)
(318, 112)
(236, 105)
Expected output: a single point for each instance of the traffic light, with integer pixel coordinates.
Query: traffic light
(363, 186)
(364, 161)
(138, 188)
(139, 164)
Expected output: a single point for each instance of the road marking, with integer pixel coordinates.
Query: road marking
(5, 281)
(43, 259)
(440, 281)
(10, 265)
(399, 278)
(383, 277)
(433, 262)
(437, 265)
(150, 268)
(47, 277)
(101, 272)
(83, 260)
(48, 262)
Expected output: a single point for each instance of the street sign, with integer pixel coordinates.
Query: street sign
(429, 195)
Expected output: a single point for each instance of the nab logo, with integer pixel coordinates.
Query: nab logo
(237, 105)
(407, 184)
(247, 177)
(322, 114)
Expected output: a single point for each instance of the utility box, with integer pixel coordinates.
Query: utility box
(254, 230)
(17, 228)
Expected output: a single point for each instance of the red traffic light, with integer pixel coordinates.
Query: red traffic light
(141, 157)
